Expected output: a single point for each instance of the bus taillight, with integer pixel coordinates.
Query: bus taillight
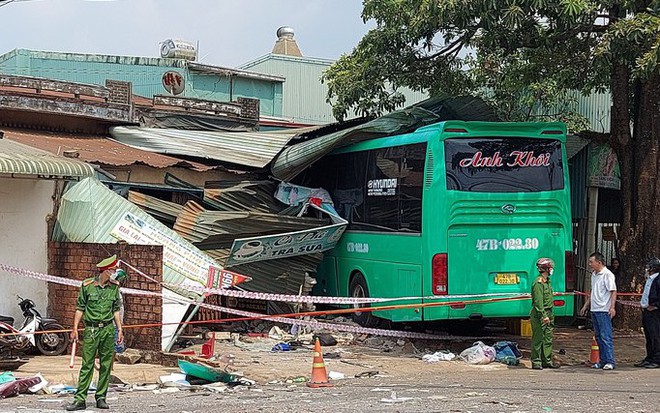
(558, 303)
(569, 271)
(439, 274)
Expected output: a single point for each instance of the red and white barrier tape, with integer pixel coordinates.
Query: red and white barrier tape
(292, 321)
(311, 299)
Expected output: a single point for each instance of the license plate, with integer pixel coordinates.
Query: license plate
(506, 278)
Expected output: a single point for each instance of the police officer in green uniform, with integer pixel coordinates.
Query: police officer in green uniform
(541, 317)
(98, 306)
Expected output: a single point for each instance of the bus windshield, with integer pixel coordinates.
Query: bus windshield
(504, 165)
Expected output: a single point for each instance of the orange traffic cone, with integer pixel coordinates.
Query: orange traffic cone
(319, 375)
(595, 352)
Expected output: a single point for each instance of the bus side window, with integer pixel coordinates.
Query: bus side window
(395, 179)
(348, 194)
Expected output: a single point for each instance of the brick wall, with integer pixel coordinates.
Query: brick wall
(120, 92)
(78, 261)
(249, 107)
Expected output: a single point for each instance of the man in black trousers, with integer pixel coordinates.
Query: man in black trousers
(650, 302)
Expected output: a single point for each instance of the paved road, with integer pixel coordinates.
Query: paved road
(479, 389)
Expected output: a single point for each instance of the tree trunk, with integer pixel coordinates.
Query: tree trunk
(639, 157)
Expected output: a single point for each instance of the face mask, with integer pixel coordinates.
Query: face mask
(550, 272)
(119, 274)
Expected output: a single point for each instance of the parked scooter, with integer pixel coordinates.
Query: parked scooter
(49, 344)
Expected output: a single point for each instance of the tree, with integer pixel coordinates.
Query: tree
(526, 57)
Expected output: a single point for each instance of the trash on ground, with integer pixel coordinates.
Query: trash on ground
(394, 399)
(61, 389)
(479, 353)
(369, 373)
(18, 386)
(335, 375)
(439, 356)
(325, 339)
(174, 377)
(299, 379)
(507, 352)
(7, 377)
(212, 375)
(146, 387)
(39, 386)
(281, 347)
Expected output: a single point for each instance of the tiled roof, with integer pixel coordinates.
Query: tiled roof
(96, 149)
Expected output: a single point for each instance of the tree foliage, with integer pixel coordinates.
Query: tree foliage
(526, 57)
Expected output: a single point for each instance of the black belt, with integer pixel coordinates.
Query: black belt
(98, 324)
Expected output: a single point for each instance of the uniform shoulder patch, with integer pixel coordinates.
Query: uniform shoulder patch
(87, 281)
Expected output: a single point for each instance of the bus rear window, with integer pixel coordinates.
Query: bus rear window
(504, 165)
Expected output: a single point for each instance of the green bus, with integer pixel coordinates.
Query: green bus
(454, 208)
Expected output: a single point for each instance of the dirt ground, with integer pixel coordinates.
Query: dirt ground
(393, 379)
(255, 361)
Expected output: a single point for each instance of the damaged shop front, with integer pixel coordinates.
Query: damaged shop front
(272, 250)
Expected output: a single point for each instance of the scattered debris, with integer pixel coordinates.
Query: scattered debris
(18, 386)
(370, 373)
(439, 356)
(335, 375)
(129, 356)
(479, 353)
(394, 399)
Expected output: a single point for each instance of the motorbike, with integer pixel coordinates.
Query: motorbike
(49, 344)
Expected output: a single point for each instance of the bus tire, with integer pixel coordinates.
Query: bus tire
(358, 289)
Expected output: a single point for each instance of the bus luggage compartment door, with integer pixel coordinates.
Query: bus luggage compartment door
(490, 259)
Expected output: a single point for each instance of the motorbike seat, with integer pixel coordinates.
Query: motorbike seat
(7, 320)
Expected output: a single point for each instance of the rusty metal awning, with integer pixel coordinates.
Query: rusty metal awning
(19, 159)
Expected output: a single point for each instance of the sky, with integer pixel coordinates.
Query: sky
(229, 32)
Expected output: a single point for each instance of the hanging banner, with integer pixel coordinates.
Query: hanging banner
(603, 167)
(289, 244)
(192, 264)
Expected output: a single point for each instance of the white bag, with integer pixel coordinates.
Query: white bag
(479, 353)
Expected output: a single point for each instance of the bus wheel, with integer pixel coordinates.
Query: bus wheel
(358, 289)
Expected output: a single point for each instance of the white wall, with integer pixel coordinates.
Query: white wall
(24, 206)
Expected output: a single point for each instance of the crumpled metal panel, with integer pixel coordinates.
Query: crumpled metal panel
(246, 195)
(293, 275)
(294, 159)
(218, 229)
(162, 210)
(254, 149)
(89, 211)
(19, 159)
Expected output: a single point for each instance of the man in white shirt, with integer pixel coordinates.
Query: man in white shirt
(650, 302)
(602, 301)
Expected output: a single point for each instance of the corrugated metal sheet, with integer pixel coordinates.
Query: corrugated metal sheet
(255, 149)
(296, 158)
(215, 231)
(577, 172)
(234, 196)
(218, 229)
(304, 96)
(597, 108)
(164, 211)
(89, 211)
(19, 159)
(97, 149)
(574, 144)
